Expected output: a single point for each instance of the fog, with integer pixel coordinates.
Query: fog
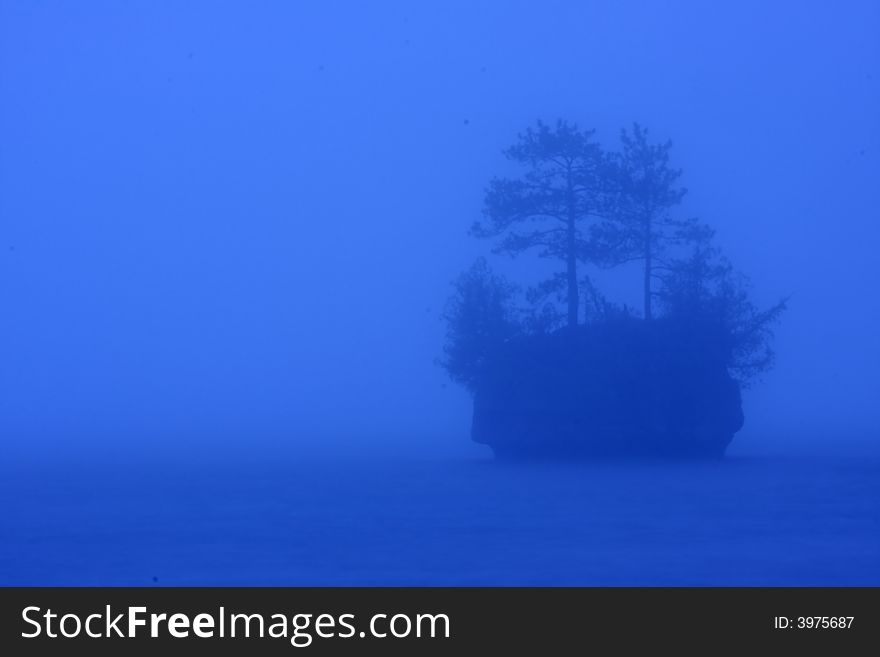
(228, 225)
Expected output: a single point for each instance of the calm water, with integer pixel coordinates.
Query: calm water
(744, 521)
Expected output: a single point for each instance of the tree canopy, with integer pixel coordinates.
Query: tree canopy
(548, 208)
(585, 206)
(639, 224)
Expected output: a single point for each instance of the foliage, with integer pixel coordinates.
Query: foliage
(581, 205)
(479, 316)
(643, 189)
(704, 289)
(546, 208)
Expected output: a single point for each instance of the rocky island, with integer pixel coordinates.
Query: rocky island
(560, 371)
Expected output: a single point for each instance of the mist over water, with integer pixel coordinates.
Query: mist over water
(228, 232)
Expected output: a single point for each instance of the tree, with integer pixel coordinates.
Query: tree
(479, 316)
(704, 290)
(644, 188)
(559, 192)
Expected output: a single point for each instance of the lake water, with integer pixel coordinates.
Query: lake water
(748, 520)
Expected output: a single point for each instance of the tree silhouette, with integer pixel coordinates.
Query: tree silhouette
(547, 207)
(643, 190)
(704, 290)
(479, 317)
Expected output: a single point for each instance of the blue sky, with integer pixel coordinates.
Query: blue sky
(238, 221)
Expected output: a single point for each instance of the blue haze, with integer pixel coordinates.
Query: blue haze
(227, 231)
